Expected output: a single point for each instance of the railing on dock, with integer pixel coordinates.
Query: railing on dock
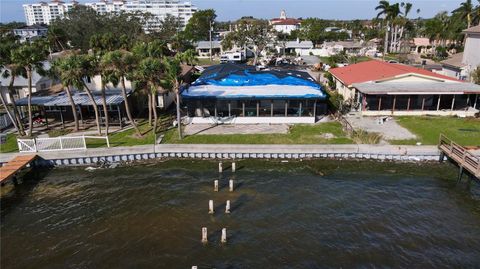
(460, 155)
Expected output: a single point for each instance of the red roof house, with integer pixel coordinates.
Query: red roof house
(381, 88)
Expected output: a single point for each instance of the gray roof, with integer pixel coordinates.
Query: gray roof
(299, 45)
(206, 45)
(433, 87)
(455, 60)
(473, 29)
(23, 82)
(113, 97)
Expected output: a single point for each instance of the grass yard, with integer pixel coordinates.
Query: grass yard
(126, 138)
(464, 131)
(298, 134)
(206, 61)
(10, 145)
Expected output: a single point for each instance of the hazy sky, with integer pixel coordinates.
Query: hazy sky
(11, 10)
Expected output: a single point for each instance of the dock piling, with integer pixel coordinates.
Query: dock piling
(230, 184)
(233, 167)
(215, 185)
(224, 235)
(210, 207)
(220, 167)
(204, 235)
(227, 207)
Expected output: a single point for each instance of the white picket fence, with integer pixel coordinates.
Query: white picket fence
(56, 143)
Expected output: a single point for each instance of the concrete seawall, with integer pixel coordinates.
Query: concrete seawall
(229, 152)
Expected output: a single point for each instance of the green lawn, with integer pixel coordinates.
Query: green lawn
(126, 138)
(10, 145)
(206, 61)
(298, 134)
(464, 131)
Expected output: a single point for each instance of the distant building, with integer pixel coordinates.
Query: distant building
(378, 88)
(285, 25)
(20, 86)
(461, 65)
(30, 32)
(203, 48)
(45, 13)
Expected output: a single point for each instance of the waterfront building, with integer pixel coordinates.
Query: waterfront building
(284, 24)
(45, 13)
(30, 32)
(239, 94)
(379, 88)
(461, 65)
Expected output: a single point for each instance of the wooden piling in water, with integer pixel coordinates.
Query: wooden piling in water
(204, 235)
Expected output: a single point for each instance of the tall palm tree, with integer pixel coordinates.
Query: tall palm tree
(148, 72)
(12, 70)
(119, 64)
(86, 68)
(30, 56)
(64, 69)
(466, 11)
(383, 9)
(173, 78)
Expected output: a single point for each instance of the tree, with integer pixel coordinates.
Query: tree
(82, 22)
(119, 64)
(169, 28)
(12, 70)
(64, 69)
(148, 73)
(476, 75)
(466, 12)
(383, 8)
(86, 66)
(30, 56)
(173, 80)
(199, 25)
(313, 29)
(254, 33)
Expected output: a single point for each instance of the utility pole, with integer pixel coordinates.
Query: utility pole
(211, 45)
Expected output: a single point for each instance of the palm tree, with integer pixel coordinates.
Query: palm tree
(86, 68)
(173, 77)
(64, 69)
(465, 11)
(148, 72)
(384, 9)
(12, 70)
(188, 57)
(30, 56)
(119, 64)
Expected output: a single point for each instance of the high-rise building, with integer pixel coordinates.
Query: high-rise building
(45, 13)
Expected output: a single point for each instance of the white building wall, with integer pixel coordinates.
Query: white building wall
(45, 13)
(471, 54)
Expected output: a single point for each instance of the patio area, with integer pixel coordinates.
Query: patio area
(208, 129)
(386, 126)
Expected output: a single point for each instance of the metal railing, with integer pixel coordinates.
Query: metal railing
(57, 143)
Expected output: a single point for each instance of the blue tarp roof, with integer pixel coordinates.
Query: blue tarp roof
(242, 81)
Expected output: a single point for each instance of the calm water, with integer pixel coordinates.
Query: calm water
(284, 215)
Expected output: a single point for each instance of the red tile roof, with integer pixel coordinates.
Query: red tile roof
(287, 21)
(378, 70)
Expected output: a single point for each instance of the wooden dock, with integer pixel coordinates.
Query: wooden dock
(14, 166)
(460, 155)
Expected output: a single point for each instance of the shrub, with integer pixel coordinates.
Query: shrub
(364, 137)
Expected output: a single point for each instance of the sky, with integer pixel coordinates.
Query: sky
(11, 10)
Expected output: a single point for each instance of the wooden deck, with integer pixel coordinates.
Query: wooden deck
(460, 155)
(12, 167)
